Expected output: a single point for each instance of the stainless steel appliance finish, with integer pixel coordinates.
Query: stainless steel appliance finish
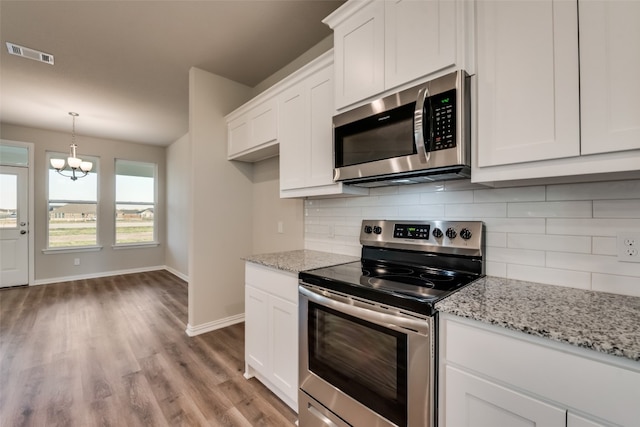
(416, 330)
(368, 329)
(418, 135)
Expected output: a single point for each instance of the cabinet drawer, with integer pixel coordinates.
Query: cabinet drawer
(282, 284)
(557, 371)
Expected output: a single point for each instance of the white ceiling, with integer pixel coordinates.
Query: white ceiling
(124, 65)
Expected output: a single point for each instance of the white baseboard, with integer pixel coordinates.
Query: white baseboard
(98, 275)
(192, 331)
(177, 273)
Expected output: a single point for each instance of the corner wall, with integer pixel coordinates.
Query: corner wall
(178, 167)
(220, 223)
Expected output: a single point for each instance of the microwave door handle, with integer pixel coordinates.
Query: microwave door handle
(418, 123)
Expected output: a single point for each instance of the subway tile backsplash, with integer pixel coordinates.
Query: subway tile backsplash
(557, 234)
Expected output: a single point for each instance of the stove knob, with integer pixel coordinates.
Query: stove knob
(451, 233)
(368, 229)
(437, 233)
(377, 230)
(465, 233)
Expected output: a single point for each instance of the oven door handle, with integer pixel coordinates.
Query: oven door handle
(397, 323)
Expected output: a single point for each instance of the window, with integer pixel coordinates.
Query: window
(135, 202)
(73, 207)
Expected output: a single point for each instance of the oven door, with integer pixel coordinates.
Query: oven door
(366, 364)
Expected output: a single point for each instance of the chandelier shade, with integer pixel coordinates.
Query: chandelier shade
(75, 164)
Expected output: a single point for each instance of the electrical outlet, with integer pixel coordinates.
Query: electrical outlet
(76, 261)
(629, 247)
(280, 227)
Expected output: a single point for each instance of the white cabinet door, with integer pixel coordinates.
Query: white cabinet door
(320, 91)
(420, 38)
(609, 70)
(294, 138)
(284, 345)
(528, 104)
(238, 135)
(253, 135)
(271, 330)
(256, 328)
(359, 55)
(264, 122)
(474, 402)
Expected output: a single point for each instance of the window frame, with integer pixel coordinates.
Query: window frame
(76, 248)
(153, 205)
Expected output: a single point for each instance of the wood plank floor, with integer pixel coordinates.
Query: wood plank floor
(113, 352)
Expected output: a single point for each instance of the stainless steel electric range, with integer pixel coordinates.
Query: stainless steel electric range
(368, 329)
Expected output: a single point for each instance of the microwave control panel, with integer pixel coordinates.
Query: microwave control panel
(443, 120)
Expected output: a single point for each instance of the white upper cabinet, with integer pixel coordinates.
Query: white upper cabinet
(382, 45)
(420, 38)
(550, 107)
(359, 53)
(609, 69)
(305, 134)
(252, 131)
(527, 81)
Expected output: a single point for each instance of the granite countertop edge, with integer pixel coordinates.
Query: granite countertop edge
(300, 260)
(599, 321)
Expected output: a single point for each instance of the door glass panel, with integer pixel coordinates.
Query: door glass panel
(364, 360)
(8, 201)
(14, 156)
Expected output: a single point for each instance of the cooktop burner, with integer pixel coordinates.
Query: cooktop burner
(408, 265)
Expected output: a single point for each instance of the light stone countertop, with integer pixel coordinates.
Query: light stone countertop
(300, 260)
(604, 322)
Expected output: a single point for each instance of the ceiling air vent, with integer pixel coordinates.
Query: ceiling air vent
(25, 52)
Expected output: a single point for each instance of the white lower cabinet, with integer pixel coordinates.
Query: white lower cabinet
(491, 376)
(475, 402)
(271, 330)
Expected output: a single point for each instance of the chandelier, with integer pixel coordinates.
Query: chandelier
(75, 164)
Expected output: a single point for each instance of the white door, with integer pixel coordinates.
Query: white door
(14, 229)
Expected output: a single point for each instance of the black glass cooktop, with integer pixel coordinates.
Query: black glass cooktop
(413, 288)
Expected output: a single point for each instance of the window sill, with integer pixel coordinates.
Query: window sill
(70, 250)
(135, 245)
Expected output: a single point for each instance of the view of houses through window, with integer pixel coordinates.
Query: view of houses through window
(135, 202)
(73, 207)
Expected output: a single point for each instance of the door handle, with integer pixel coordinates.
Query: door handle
(23, 231)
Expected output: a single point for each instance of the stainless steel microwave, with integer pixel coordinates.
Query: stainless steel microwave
(420, 134)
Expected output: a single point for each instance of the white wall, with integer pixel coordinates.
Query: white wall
(269, 209)
(557, 234)
(177, 247)
(220, 207)
(54, 267)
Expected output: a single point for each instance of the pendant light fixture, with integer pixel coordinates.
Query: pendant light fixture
(75, 164)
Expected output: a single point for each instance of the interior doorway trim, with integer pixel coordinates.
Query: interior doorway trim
(30, 200)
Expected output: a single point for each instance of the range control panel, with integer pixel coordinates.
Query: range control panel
(430, 236)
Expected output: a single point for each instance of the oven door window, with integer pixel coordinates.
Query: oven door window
(383, 136)
(366, 361)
